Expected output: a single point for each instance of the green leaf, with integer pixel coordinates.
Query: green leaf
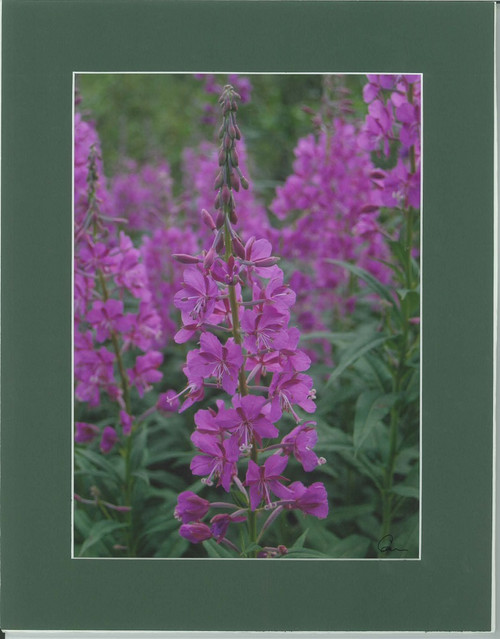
(250, 549)
(355, 351)
(300, 541)
(99, 462)
(406, 491)
(372, 282)
(98, 532)
(371, 408)
(352, 547)
(216, 551)
(304, 553)
(348, 513)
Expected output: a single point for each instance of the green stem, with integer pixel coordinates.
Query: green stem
(127, 449)
(243, 388)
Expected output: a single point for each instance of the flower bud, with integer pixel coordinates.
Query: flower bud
(217, 202)
(244, 182)
(221, 132)
(233, 218)
(237, 132)
(369, 208)
(220, 220)
(235, 183)
(234, 157)
(238, 247)
(219, 181)
(222, 157)
(232, 131)
(209, 258)
(226, 195)
(184, 258)
(195, 533)
(234, 104)
(228, 143)
(208, 219)
(219, 247)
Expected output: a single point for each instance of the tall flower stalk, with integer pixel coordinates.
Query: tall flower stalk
(234, 301)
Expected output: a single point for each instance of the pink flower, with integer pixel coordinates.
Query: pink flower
(85, 432)
(247, 421)
(312, 500)
(190, 507)
(108, 440)
(145, 372)
(217, 461)
(195, 533)
(220, 361)
(300, 442)
(197, 297)
(265, 479)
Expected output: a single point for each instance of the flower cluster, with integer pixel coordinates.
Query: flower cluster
(143, 195)
(327, 195)
(210, 85)
(116, 322)
(234, 300)
(393, 120)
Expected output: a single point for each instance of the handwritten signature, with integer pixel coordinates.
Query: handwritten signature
(385, 544)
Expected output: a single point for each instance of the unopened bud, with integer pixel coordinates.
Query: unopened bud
(234, 104)
(238, 247)
(219, 180)
(237, 132)
(227, 142)
(209, 258)
(244, 182)
(217, 203)
(234, 157)
(369, 208)
(233, 218)
(222, 157)
(235, 183)
(226, 195)
(184, 258)
(220, 220)
(377, 174)
(226, 107)
(208, 219)
(221, 132)
(219, 247)
(232, 131)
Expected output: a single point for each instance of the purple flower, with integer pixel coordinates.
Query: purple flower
(300, 442)
(217, 461)
(85, 432)
(220, 361)
(220, 524)
(287, 389)
(265, 479)
(145, 372)
(126, 421)
(106, 317)
(195, 533)
(168, 402)
(191, 507)
(247, 421)
(108, 439)
(197, 297)
(312, 500)
(264, 331)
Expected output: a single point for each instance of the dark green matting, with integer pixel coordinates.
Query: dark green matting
(452, 45)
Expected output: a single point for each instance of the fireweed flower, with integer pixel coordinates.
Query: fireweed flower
(235, 289)
(191, 507)
(110, 276)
